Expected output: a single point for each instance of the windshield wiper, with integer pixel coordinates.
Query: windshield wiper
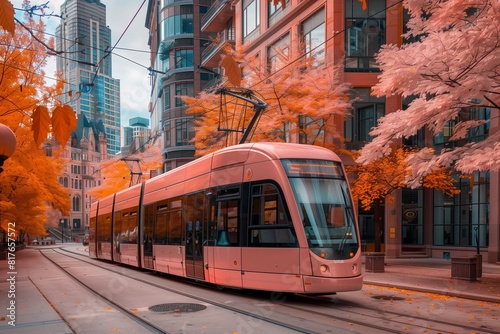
(340, 249)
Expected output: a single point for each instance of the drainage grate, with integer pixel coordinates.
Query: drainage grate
(177, 307)
(392, 298)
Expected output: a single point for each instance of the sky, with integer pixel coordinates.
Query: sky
(128, 66)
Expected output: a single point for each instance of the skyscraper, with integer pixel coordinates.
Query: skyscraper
(135, 136)
(86, 66)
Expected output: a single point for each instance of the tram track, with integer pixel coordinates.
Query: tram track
(320, 309)
(144, 323)
(153, 327)
(371, 315)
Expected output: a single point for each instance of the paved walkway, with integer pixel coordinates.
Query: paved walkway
(434, 276)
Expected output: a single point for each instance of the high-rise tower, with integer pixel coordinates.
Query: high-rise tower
(86, 66)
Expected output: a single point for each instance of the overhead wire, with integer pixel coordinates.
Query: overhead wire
(118, 41)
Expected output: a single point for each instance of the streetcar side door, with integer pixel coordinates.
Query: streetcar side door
(193, 235)
(147, 235)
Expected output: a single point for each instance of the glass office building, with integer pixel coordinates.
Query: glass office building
(86, 66)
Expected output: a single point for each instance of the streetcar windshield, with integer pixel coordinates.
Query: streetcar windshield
(322, 196)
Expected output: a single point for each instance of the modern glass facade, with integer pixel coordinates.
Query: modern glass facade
(463, 220)
(86, 66)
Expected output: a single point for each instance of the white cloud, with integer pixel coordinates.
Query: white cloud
(134, 78)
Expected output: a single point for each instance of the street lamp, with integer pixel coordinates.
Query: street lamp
(7, 144)
(61, 222)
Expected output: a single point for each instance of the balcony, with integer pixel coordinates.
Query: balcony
(210, 57)
(217, 17)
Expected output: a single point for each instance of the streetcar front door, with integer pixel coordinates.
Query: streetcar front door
(193, 236)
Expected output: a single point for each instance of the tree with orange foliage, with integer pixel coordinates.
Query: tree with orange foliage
(304, 103)
(376, 181)
(29, 183)
(24, 53)
(117, 173)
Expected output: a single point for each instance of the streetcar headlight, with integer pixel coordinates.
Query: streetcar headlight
(355, 268)
(323, 268)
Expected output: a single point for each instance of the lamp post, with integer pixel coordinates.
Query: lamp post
(61, 222)
(7, 144)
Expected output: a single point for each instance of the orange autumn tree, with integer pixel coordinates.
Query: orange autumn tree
(373, 184)
(28, 46)
(117, 173)
(305, 100)
(29, 183)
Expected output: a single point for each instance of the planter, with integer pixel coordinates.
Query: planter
(464, 268)
(375, 262)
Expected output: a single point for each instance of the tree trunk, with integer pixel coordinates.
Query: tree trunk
(379, 223)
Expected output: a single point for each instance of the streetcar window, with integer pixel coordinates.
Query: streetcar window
(174, 228)
(194, 227)
(167, 226)
(133, 227)
(312, 168)
(104, 227)
(161, 229)
(227, 222)
(270, 225)
(326, 210)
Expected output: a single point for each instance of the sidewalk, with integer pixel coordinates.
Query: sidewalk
(434, 276)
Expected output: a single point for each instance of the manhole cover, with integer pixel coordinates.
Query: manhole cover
(177, 307)
(380, 297)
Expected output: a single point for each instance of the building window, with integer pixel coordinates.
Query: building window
(275, 11)
(178, 22)
(167, 130)
(418, 139)
(474, 134)
(462, 220)
(365, 34)
(166, 98)
(95, 42)
(279, 49)
(364, 117)
(183, 89)
(184, 58)
(311, 131)
(251, 16)
(183, 131)
(313, 37)
(413, 216)
(76, 203)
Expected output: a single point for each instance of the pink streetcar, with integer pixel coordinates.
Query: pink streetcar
(266, 216)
